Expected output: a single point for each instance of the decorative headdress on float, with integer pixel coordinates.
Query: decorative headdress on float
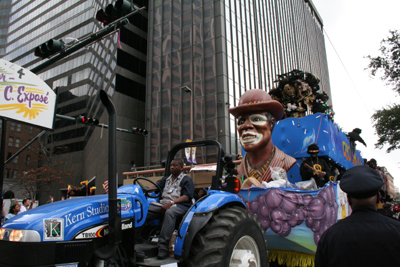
(297, 90)
(257, 101)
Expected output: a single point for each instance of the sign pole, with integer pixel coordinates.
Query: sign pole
(25, 147)
(2, 151)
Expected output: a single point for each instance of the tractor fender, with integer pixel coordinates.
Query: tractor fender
(199, 215)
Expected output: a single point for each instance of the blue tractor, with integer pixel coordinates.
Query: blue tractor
(111, 230)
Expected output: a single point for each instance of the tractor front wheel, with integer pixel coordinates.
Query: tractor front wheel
(233, 237)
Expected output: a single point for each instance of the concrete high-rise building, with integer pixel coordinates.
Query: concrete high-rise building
(220, 49)
(215, 49)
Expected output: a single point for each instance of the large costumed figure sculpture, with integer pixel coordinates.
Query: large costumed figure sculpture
(256, 116)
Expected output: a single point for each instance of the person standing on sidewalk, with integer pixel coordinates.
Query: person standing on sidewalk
(366, 237)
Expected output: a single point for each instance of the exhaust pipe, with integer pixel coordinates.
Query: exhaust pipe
(114, 204)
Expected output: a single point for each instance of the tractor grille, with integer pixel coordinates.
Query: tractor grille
(73, 251)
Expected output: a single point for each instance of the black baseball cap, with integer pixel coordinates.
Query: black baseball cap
(361, 182)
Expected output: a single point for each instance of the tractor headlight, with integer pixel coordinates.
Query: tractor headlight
(2, 231)
(18, 235)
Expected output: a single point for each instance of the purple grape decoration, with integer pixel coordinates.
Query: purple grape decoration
(307, 199)
(274, 198)
(261, 199)
(276, 227)
(299, 215)
(283, 210)
(289, 203)
(264, 211)
(300, 199)
(329, 215)
(316, 226)
(285, 230)
(316, 208)
(265, 223)
(292, 220)
(309, 222)
(278, 216)
(254, 206)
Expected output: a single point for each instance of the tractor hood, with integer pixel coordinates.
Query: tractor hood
(62, 220)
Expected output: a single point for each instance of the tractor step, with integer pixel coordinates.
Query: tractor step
(149, 250)
(168, 262)
(149, 253)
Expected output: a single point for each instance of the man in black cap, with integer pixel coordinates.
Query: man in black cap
(366, 237)
(315, 167)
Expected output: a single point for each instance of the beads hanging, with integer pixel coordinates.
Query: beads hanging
(173, 186)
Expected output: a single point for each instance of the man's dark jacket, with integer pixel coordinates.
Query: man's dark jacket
(365, 238)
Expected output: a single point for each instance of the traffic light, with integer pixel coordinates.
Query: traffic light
(88, 121)
(114, 12)
(49, 48)
(104, 17)
(140, 131)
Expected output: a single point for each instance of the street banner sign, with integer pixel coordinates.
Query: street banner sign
(25, 97)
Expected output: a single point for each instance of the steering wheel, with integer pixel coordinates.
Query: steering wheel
(145, 189)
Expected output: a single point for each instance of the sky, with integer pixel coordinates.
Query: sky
(354, 29)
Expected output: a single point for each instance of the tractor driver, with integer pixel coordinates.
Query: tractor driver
(256, 116)
(176, 198)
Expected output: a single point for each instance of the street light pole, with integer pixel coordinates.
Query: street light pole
(188, 90)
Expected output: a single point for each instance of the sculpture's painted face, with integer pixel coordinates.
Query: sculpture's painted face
(255, 131)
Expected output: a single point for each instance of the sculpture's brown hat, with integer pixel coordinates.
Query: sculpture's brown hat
(256, 101)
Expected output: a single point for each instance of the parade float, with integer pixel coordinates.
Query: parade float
(295, 214)
(293, 218)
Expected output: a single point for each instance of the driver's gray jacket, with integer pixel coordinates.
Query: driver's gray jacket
(172, 191)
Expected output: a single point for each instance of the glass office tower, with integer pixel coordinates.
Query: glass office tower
(220, 49)
(116, 64)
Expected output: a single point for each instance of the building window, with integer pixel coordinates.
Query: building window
(17, 141)
(28, 159)
(14, 174)
(9, 154)
(30, 129)
(15, 160)
(7, 173)
(12, 126)
(10, 141)
(18, 127)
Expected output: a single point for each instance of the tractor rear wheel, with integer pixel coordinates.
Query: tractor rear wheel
(233, 237)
